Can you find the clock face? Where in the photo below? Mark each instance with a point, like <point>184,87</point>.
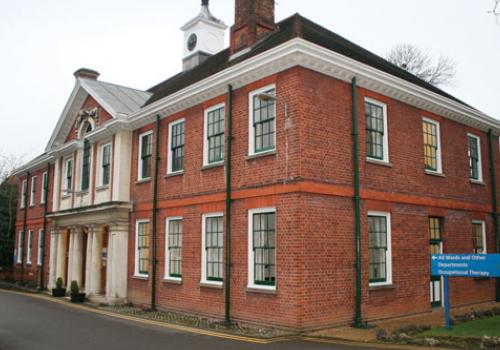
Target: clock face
<point>191,43</point>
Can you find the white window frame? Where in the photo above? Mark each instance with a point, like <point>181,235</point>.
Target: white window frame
<point>204,279</point>
<point>30,247</point>
<point>388,253</point>
<point>205,134</point>
<point>139,158</point>
<point>386,130</point>
<point>251,256</point>
<point>45,179</point>
<point>483,229</point>
<point>33,191</point>
<point>167,251</point>
<point>169,151</point>
<point>20,247</point>
<point>439,162</point>
<point>40,247</point>
<point>24,191</point>
<point>480,160</point>
<point>136,250</point>
<point>68,188</point>
<point>101,158</point>
<point>251,130</point>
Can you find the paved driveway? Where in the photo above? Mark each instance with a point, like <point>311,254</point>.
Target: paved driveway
<point>28,323</point>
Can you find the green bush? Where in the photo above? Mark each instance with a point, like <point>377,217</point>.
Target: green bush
<point>75,288</point>
<point>59,283</point>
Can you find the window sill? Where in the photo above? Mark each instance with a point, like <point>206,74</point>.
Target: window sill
<point>381,287</point>
<point>434,173</point>
<point>213,285</point>
<point>82,193</point>
<point>477,182</point>
<point>261,155</point>
<point>379,162</point>
<point>261,290</point>
<point>102,188</point>
<point>66,196</point>
<point>32,205</point>
<point>141,278</point>
<point>172,280</point>
<point>177,173</point>
<point>212,166</point>
<point>142,181</point>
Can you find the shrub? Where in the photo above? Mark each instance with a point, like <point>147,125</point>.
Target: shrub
<point>75,289</point>
<point>59,283</point>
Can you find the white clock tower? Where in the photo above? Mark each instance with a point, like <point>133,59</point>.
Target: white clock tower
<point>203,37</point>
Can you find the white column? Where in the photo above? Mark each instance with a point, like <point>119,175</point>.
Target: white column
<point>77,260</point>
<point>69,276</point>
<point>117,261</point>
<point>88,260</point>
<point>52,259</point>
<point>95,266</point>
<point>109,266</point>
<point>61,256</point>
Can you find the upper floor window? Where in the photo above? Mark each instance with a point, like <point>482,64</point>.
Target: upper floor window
<point>376,130</point>
<point>474,153</point>
<point>262,248</point>
<point>45,188</point>
<point>68,179</point>
<point>86,159</point>
<point>33,191</point>
<point>212,262</point>
<point>145,155</point>
<point>105,164</point>
<point>142,248</point>
<point>379,248</point>
<point>432,145</point>
<point>213,148</point>
<point>24,191</point>
<point>262,120</point>
<point>478,237</point>
<point>176,146</point>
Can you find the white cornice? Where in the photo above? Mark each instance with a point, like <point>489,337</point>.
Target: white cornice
<point>299,52</point>
<point>34,164</point>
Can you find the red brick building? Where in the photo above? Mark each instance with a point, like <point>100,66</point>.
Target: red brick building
<point>232,189</point>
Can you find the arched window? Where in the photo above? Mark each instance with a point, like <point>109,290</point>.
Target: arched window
<point>86,159</point>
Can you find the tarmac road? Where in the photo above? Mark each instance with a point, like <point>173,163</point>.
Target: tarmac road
<point>28,323</point>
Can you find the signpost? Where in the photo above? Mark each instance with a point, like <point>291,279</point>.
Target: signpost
<point>463,265</point>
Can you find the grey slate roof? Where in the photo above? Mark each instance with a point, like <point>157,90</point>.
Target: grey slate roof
<point>122,100</point>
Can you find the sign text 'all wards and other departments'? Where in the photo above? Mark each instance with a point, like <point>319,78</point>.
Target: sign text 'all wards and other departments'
<point>465,265</point>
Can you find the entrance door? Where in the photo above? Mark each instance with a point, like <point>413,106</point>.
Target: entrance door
<point>104,258</point>
<point>436,247</point>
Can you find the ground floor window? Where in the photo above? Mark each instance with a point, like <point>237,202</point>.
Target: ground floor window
<point>478,237</point>
<point>436,247</point>
<point>379,248</point>
<point>262,247</point>
<point>30,247</point>
<point>174,248</point>
<point>142,248</point>
<point>213,248</point>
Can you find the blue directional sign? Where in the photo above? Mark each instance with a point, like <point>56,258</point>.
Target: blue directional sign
<point>465,265</point>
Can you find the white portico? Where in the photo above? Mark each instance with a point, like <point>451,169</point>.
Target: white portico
<point>89,245</point>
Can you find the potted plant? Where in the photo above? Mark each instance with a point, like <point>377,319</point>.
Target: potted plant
<point>76,296</point>
<point>59,291</point>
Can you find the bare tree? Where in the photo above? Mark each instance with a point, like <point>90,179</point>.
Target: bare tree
<point>496,10</point>
<point>420,63</point>
<point>8,163</point>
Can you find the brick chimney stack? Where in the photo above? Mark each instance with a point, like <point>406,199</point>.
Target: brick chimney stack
<point>253,19</point>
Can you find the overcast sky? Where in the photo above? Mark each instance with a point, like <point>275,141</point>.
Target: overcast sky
<point>139,43</point>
